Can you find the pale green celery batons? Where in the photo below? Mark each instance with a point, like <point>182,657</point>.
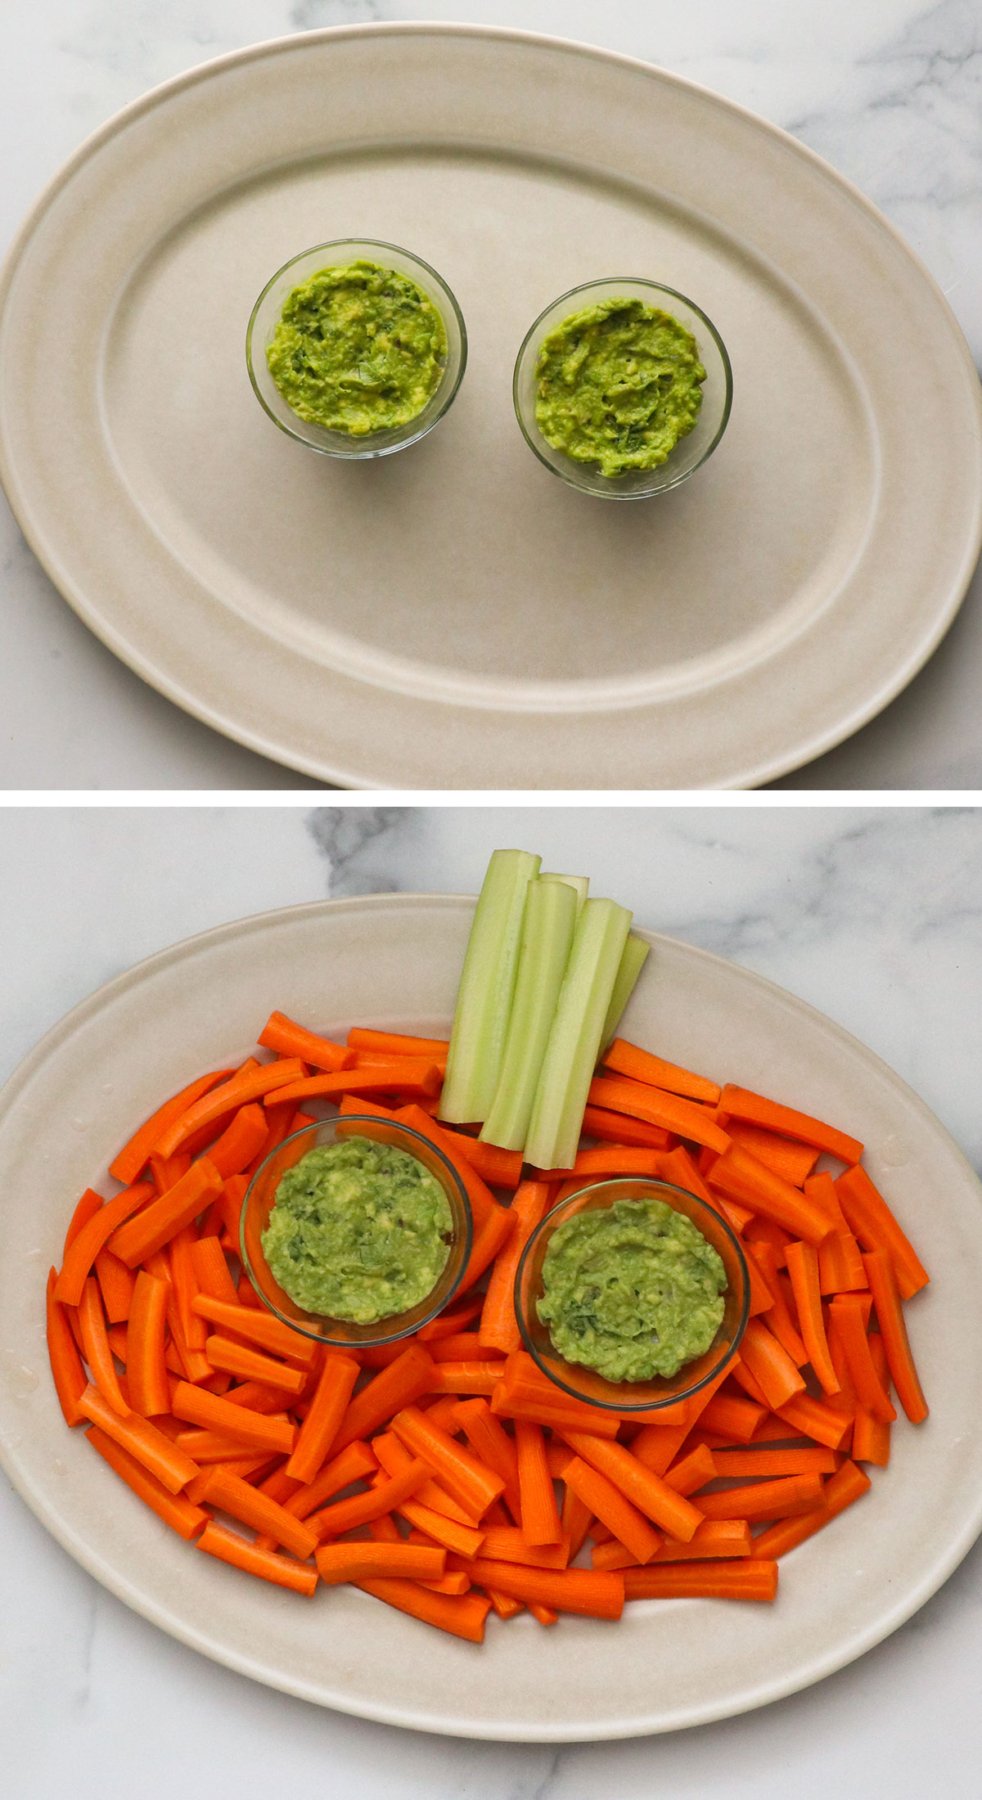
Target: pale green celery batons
<point>579,883</point>
<point>632,962</point>
<point>487,986</point>
<point>577,1033</point>
<point>550,920</point>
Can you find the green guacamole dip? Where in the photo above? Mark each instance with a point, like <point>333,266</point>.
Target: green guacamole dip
<point>631,1290</point>
<point>358,1230</point>
<point>358,349</point>
<point>618,384</point>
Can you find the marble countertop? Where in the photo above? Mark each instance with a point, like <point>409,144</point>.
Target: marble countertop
<point>872,916</point>
<point>887,90</point>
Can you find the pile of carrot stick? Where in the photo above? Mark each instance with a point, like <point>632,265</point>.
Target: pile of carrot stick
<point>444,1474</point>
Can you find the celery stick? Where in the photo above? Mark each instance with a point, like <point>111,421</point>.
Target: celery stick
<point>579,883</point>
<point>487,986</point>
<point>574,1041</point>
<point>550,920</point>
<point>632,962</point>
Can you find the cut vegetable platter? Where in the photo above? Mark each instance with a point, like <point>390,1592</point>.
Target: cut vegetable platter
<point>394,961</point>
<point>455,616</point>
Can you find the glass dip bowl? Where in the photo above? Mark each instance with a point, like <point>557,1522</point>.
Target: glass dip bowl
<point>690,452</point>
<point>633,1396</point>
<point>266,316</point>
<point>258,1204</point>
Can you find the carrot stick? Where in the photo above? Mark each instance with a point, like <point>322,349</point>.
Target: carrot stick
<point>629,1526</point>
<point>289,1039</point>
<point>478,1377</point>
<point>175,1509</point>
<point>394,1458</point>
<point>95,1347</point>
<point>847,1310</point>
<point>769,1364</point>
<point>467,1479</point>
<point>455,1148</point>
<point>594,1595</point>
<point>742,1177</point>
<point>794,1161</point>
<point>237,1422</point>
<point>462,1540</point>
<point>509,1403</point>
<point>88,1205</point>
<point>464,1616</point>
<point>403,1382</point>
<point>151,1447</point>
<point>764,1499</point>
<point>134,1155</point>
<point>818,1419</point>
<point>684,1117</point>
<point>640,1065</point>
<point>344,1515</point>
<point>116,1285</point>
<point>499,1168</point>
<point>539,1512</point>
<point>359,1562</point>
<point>148,1386</point>
<point>714,1539</point>
<point>241,1141</point>
<point>803,1460</point>
<point>870,1219</point>
<point>211,1271</point>
<point>508,1543</point>
<point>756,1109</point>
<point>499,1325</point>
<point>158,1222</point>
<point>692,1471</point>
<point>649,1493</point>
<point>320,1427</point>
<point>92,1237</point>
<point>615,1159</point>
<point>752,1578</point>
<point>352,1464</point>
<point>732,1414</point>
<point>890,1318</point>
<point>493,1447</point>
<point>253,1365</point>
<point>402,1075</point>
<point>395,1043</point>
<point>252,1082</point>
<point>230,1494</point>
<point>802,1262</point>
<point>284,1571</point>
<point>617,1128</point>
<point>841,1489</point>
<point>763,1257</point>
<point>258,1328</point>
<point>66,1363</point>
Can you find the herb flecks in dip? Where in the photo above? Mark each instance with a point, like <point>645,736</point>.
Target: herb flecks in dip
<point>618,384</point>
<point>632,1290</point>
<point>359,1230</point>
<point>359,349</point>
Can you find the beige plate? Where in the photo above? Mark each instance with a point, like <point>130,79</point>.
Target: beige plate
<point>455,616</point>
<point>394,960</point>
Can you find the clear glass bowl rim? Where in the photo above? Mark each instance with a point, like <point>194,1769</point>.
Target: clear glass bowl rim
<point>658,287</point>
<point>389,1336</point>
<point>726,1350</point>
<point>364,451</point>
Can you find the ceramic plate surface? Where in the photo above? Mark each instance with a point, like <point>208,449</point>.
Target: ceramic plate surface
<point>454,616</point>
<point>394,960</point>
